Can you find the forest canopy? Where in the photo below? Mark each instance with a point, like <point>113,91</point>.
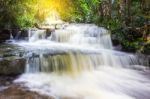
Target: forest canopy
<point>24,13</point>
<point>108,13</point>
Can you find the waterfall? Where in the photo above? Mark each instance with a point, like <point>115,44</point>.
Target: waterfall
<point>35,35</point>
<point>78,62</point>
<point>84,35</point>
<point>86,47</point>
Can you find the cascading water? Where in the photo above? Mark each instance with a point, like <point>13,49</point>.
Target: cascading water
<point>78,62</point>
<point>36,35</point>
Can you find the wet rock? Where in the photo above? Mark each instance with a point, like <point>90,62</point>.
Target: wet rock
<point>17,92</point>
<point>20,34</point>
<point>4,35</point>
<point>8,50</point>
<point>48,32</point>
<point>115,40</point>
<point>143,59</point>
<point>10,90</point>
<point>6,80</point>
<point>15,32</point>
<point>24,34</point>
<point>12,66</point>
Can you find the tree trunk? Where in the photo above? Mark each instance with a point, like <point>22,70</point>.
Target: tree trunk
<point>128,3</point>
<point>101,13</point>
<point>110,8</point>
<point>121,11</point>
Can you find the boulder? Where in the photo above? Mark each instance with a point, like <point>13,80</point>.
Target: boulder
<point>12,66</point>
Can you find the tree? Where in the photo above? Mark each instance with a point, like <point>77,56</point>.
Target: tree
<point>16,13</point>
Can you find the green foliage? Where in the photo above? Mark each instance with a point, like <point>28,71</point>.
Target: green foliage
<point>24,21</point>
<point>86,11</point>
<point>111,24</point>
<point>132,46</point>
<point>16,13</point>
<point>146,49</point>
<point>24,13</point>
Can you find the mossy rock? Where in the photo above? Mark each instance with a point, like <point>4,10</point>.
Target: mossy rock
<point>12,66</point>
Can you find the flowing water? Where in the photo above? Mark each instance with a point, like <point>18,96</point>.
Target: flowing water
<point>78,62</point>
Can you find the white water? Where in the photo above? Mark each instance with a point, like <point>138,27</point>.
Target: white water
<point>78,62</point>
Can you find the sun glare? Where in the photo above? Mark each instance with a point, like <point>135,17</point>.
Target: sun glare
<point>49,11</point>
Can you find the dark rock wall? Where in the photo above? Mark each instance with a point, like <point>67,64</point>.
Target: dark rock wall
<point>4,35</point>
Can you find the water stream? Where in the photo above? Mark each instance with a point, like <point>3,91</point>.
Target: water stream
<point>78,62</point>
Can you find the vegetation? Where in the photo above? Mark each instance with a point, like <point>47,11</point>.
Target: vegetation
<point>16,13</point>
<point>129,20</point>
<point>25,13</point>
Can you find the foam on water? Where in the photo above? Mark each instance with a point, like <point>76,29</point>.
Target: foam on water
<point>103,83</point>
